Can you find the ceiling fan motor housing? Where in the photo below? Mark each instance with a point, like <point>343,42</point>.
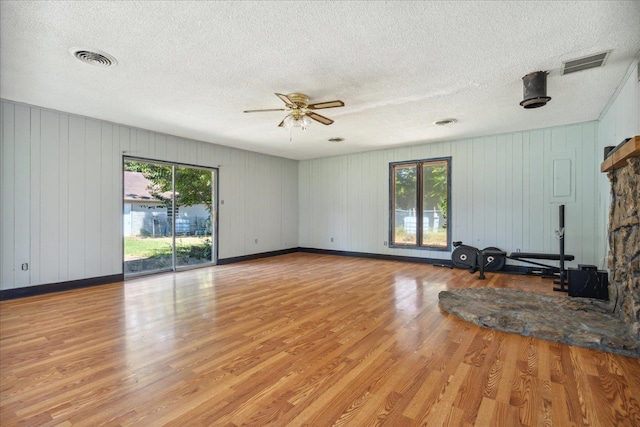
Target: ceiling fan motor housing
<point>535,90</point>
<point>300,99</point>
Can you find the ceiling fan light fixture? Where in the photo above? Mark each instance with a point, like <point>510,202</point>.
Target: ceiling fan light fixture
<point>296,121</point>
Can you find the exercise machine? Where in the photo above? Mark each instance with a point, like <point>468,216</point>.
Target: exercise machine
<point>493,259</point>
<point>474,259</point>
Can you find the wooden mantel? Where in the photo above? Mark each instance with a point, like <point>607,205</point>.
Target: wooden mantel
<point>631,148</point>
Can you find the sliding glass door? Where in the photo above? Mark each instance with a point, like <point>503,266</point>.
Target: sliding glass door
<point>194,215</point>
<point>169,216</point>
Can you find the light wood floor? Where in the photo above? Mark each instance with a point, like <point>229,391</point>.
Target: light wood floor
<point>300,340</point>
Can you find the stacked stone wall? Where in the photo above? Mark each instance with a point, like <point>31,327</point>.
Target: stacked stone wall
<point>624,244</point>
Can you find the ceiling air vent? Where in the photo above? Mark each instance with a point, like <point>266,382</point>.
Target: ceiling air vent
<point>445,122</point>
<point>93,57</point>
<point>591,61</point>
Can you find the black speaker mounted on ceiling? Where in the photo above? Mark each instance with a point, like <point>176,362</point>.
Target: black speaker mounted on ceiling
<point>535,90</point>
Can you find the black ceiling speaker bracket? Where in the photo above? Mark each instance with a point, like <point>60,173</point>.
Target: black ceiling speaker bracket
<point>535,90</point>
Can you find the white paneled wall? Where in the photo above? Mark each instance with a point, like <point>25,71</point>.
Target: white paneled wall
<point>61,199</point>
<point>502,194</point>
<point>621,120</point>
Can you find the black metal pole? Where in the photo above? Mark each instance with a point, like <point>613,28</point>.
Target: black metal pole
<point>562,287</point>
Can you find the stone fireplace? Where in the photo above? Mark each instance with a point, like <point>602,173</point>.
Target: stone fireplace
<point>623,170</point>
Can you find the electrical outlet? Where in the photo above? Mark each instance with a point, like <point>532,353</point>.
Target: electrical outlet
<point>385,243</point>
<point>256,240</point>
<point>25,266</point>
<point>332,239</point>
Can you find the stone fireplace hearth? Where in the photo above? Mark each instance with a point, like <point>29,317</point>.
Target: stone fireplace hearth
<point>624,237</point>
<point>584,322</point>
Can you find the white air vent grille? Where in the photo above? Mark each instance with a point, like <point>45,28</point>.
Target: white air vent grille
<point>591,61</point>
<point>93,57</point>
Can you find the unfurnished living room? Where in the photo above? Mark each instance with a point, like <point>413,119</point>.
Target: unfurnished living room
<point>317,213</point>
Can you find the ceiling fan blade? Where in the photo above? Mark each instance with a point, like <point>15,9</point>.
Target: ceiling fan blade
<point>268,109</point>
<point>328,104</point>
<point>282,123</point>
<point>318,118</point>
<point>286,100</point>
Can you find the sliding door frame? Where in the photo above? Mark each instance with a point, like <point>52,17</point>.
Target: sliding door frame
<point>215,202</point>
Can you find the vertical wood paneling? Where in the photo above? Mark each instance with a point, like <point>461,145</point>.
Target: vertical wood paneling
<point>507,193</point>
<point>477,170</point>
<point>517,185</point>
<point>547,191</point>
<point>77,198</point>
<point>160,144</point>
<point>269,202</point>
<point>49,198</point>
<point>490,194</point>
<point>93,239</point>
<point>304,203</point>
<point>341,210</point>
<point>353,197</point>
<point>108,172</point>
<point>8,160</point>
<point>22,197</point>
<point>62,193</point>
<point>462,191</point>
<point>526,193</point>
<point>142,145</point>
<point>125,140</point>
<point>251,222</point>
<point>171,151</point>
<point>289,214</point>
<point>314,180</point>
<point>501,200</point>
<point>536,200</point>
<point>116,221</point>
<point>35,168</point>
<point>589,201</point>
<point>574,219</point>
<point>232,180</point>
<point>363,210</point>
<point>322,218</point>
<point>376,234</point>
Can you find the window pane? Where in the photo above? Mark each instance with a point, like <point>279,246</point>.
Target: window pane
<point>194,219</point>
<point>148,198</point>
<point>434,204</point>
<point>405,190</point>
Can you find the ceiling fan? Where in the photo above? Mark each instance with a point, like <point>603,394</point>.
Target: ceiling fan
<point>300,109</point>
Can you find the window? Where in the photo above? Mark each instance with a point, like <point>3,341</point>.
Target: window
<point>420,186</point>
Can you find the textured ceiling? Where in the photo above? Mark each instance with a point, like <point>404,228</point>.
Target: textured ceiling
<point>190,68</point>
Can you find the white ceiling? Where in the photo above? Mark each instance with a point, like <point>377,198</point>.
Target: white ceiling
<point>190,68</point>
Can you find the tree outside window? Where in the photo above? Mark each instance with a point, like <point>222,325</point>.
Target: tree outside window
<point>420,186</point>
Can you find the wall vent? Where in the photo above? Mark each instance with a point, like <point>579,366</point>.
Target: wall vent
<point>591,61</point>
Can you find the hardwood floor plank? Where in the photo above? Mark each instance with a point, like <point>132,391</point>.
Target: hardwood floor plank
<point>485,411</point>
<point>298,339</point>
